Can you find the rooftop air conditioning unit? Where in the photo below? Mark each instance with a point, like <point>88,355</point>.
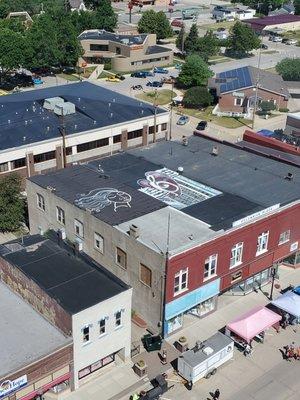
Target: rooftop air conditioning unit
<point>66,108</point>
<point>208,351</point>
<point>51,102</point>
<point>78,245</point>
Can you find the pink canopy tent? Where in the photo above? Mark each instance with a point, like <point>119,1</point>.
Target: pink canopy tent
<point>255,321</point>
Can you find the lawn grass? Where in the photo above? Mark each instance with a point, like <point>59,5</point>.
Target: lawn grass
<point>292,35</point>
<point>163,97</point>
<point>270,51</point>
<point>225,122</point>
<point>104,74</point>
<point>215,25</point>
<point>69,77</point>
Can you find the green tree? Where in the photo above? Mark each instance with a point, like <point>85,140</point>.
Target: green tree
<point>194,72</point>
<point>190,43</point>
<point>289,69</point>
<point>180,39</point>
<point>83,20</point>
<point>297,7</point>
<point>104,16</point>
<point>12,51</point>
<point>197,96</point>
<point>12,205</point>
<point>263,6</point>
<point>242,39</point>
<point>155,22</point>
<point>267,106</point>
<point>208,45</point>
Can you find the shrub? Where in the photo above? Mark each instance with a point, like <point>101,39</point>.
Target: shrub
<point>196,97</point>
<point>284,110</point>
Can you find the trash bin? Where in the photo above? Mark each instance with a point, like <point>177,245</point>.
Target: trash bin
<point>152,343</point>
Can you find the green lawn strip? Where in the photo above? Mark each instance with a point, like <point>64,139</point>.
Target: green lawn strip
<point>214,26</point>
<point>164,96</point>
<point>69,77</point>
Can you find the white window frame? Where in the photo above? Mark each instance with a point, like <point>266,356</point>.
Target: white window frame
<point>284,237</point>
<point>40,199</point>
<point>235,101</point>
<point>236,255</point>
<point>212,262</point>
<point>79,224</point>
<point>84,335</point>
<point>118,326</point>
<point>262,243</point>
<point>99,238</point>
<point>182,285</point>
<point>60,215</point>
<point>105,326</point>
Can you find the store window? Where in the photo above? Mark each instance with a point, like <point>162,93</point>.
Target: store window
<point>4,167</point>
<point>49,155</point>
<point>146,275</point>
<point>98,242</point>
<point>40,202</point>
<point>236,255</point>
<point>86,334</point>
<point>102,326</point>
<point>121,258</point>
<point>284,237</point>
<point>117,139</point>
<point>78,226</point>
<point>207,306</point>
<point>118,319</point>
<point>60,215</point>
<point>210,266</point>
<point>262,243</point>
<point>181,281</point>
<point>20,163</point>
<point>164,126</point>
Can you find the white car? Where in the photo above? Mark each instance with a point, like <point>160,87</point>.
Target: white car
<point>292,41</point>
<point>277,39</point>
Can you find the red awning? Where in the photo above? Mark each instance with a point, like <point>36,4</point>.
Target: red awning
<point>44,388</point>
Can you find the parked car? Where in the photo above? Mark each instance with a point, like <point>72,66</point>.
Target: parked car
<point>201,126</point>
<point>169,79</point>
<point>183,120</point>
<point>158,70</point>
<point>142,74</point>
<point>292,41</point>
<point>121,77</point>
<point>37,80</point>
<point>137,87</point>
<point>112,79</point>
<point>264,46</point>
<point>277,39</point>
<point>154,84</point>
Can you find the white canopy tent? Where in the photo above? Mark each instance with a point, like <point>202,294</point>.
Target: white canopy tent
<point>289,302</point>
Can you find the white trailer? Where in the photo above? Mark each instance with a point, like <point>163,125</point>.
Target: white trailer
<point>204,359</point>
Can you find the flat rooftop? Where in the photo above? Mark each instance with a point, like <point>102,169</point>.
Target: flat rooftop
<point>201,194</point>
<point>24,120</point>
<point>25,336</point>
<point>73,282</point>
<point>101,34</point>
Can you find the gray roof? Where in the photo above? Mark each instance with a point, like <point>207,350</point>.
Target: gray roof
<point>24,121</point>
<point>75,283</point>
<point>216,342</point>
<point>101,34</point>
<point>157,49</point>
<point>245,77</point>
<point>25,336</point>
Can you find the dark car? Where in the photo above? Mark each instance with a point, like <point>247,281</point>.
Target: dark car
<point>158,70</point>
<point>154,84</point>
<point>141,74</point>
<point>137,87</point>
<point>121,77</point>
<point>264,46</point>
<point>201,126</point>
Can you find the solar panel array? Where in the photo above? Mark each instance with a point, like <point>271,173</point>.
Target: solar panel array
<point>235,79</point>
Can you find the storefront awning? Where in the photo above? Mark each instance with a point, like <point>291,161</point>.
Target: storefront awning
<point>255,321</point>
<point>289,302</point>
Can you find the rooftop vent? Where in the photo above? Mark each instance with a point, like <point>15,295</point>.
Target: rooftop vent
<point>289,176</point>
<point>51,102</point>
<point>180,170</point>
<point>125,41</point>
<point>208,351</point>
<point>134,231</point>
<point>66,108</point>
<point>185,141</point>
<point>215,151</point>
<point>51,188</point>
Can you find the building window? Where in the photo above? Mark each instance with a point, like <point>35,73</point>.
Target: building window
<point>238,101</point>
<point>4,167</point>
<point>78,226</point>
<point>284,237</point>
<point>69,151</point>
<point>146,275</point>
<point>117,139</point>
<point>98,242</point>
<point>236,255</point>
<point>40,202</point>
<point>121,258</point>
<point>135,134</point>
<point>60,215</point>
<point>86,334</point>
<point>50,155</point>
<point>262,243</point>
<point>151,129</point>
<point>102,326</point>
<point>118,50</point>
<point>118,319</point>
<point>210,266</point>
<point>98,47</point>
<point>92,145</point>
<point>164,126</point>
<point>181,281</point>
<point>20,163</point>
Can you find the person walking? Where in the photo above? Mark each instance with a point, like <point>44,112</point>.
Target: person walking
<point>216,394</point>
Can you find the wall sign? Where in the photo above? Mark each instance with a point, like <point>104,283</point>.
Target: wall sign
<point>255,215</point>
<point>7,387</point>
<point>238,94</point>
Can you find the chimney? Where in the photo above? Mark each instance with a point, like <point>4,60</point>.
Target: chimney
<point>134,231</point>
<point>215,151</point>
<point>180,170</point>
<point>184,141</point>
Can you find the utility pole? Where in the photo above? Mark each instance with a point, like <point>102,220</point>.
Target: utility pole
<point>130,6</point>
<point>62,130</point>
<point>155,112</point>
<point>171,112</point>
<point>256,89</point>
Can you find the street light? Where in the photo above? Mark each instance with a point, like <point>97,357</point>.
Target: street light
<point>130,6</point>
<point>273,275</point>
<point>155,112</point>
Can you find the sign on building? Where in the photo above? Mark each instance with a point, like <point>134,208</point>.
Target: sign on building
<point>7,387</point>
